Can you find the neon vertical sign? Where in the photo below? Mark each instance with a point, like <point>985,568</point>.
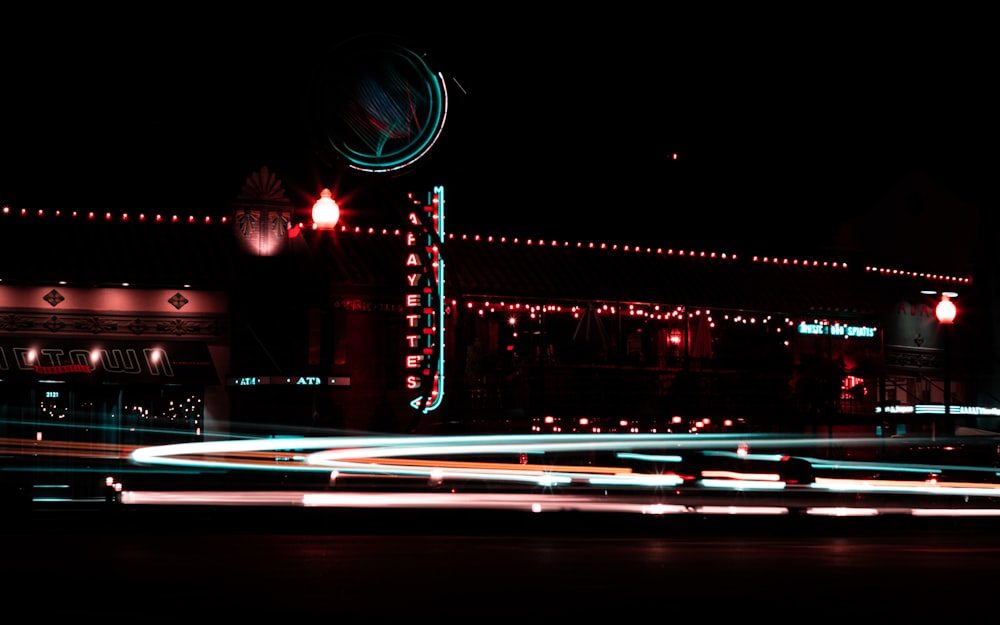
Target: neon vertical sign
<point>424,305</point>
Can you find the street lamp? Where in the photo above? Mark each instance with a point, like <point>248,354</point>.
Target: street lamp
<point>325,212</point>
<point>945,313</point>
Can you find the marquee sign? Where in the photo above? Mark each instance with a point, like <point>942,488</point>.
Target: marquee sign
<point>290,380</point>
<point>836,330</point>
<point>424,304</point>
<point>113,361</point>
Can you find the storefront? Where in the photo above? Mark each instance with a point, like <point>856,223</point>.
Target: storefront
<point>343,330</point>
<point>88,374</point>
<point>612,333</point>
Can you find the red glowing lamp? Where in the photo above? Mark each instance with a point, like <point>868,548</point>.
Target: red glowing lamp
<point>325,212</point>
<point>945,311</point>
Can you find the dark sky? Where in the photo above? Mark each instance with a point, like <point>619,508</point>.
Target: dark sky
<point>560,126</point>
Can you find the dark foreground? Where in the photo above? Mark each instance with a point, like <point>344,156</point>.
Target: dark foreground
<point>203,563</point>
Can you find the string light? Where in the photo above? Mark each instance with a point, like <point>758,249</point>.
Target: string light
<point>7,212</point>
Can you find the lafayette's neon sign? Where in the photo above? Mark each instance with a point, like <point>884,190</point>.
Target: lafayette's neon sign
<point>424,304</point>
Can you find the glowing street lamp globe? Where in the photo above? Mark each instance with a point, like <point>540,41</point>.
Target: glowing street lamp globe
<point>945,311</point>
<point>325,211</point>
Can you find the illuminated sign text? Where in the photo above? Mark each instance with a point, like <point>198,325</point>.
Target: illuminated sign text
<point>423,304</point>
<point>836,330</point>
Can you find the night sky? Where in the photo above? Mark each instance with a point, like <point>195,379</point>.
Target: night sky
<point>561,126</point>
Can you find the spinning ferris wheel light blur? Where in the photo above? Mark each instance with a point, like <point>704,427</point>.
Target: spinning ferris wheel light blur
<point>381,108</point>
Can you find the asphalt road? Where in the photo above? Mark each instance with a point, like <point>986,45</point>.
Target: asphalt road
<point>200,564</point>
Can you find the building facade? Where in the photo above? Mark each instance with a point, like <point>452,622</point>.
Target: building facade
<point>130,330</point>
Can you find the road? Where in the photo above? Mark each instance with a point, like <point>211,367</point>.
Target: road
<point>195,563</point>
<point>514,538</point>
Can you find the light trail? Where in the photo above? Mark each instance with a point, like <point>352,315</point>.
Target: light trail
<point>60,448</point>
<point>521,502</point>
<point>622,460</point>
<point>553,471</point>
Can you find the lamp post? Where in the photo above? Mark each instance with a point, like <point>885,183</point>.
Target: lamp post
<point>945,313</point>
<point>325,215</point>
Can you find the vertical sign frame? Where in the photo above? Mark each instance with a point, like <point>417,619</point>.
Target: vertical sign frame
<point>424,303</point>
